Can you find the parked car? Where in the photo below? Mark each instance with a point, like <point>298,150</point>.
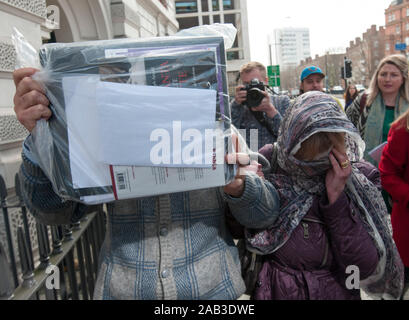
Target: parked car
<point>337,90</point>
<point>360,87</point>
<point>295,92</point>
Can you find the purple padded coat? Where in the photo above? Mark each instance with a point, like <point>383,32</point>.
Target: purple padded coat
<point>312,263</point>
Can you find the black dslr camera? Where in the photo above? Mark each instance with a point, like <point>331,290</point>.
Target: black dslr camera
<point>254,93</point>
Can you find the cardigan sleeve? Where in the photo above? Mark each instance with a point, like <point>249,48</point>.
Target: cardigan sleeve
<point>259,205</point>
<point>40,198</point>
<point>394,160</point>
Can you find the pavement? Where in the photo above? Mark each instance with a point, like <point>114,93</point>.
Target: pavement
<point>364,296</point>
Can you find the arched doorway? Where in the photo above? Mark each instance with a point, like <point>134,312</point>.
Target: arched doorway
<point>82,20</point>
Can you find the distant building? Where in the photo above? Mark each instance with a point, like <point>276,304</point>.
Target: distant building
<point>396,26</point>
<point>191,13</point>
<point>330,64</point>
<point>365,54</point>
<point>289,46</point>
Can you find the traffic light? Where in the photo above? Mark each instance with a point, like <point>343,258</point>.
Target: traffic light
<point>342,73</point>
<point>348,68</point>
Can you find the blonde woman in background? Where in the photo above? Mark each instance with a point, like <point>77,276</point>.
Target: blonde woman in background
<point>387,98</point>
<point>373,111</point>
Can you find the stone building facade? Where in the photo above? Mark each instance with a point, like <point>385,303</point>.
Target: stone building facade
<point>190,13</point>
<point>365,54</point>
<point>330,64</point>
<point>397,26</point>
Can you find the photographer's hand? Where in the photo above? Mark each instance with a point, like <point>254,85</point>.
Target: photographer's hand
<point>266,106</point>
<point>241,95</point>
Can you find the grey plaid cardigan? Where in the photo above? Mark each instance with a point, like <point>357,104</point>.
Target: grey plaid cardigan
<point>174,246</point>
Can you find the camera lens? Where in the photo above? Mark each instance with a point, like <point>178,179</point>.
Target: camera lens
<point>255,94</point>
<point>254,97</point>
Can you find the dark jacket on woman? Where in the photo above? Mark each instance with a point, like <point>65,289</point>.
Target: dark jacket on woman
<point>313,263</point>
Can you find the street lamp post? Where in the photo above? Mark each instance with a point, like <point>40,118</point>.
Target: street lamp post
<point>275,49</point>
<point>326,70</point>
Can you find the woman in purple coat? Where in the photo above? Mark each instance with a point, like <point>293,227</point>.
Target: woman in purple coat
<point>332,235</point>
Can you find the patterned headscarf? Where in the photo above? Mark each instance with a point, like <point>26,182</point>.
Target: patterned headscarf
<point>301,181</point>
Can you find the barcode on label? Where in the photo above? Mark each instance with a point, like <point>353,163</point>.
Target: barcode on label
<point>120,178</point>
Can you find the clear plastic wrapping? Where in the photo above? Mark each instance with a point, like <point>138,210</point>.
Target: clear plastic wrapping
<point>133,117</point>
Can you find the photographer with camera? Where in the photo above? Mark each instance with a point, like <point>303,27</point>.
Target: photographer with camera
<point>254,108</point>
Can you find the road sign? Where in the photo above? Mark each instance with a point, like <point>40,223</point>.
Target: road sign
<point>273,70</point>
<point>273,76</point>
<point>400,46</point>
<point>274,82</point>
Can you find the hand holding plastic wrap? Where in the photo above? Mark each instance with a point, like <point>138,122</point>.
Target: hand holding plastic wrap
<point>132,118</point>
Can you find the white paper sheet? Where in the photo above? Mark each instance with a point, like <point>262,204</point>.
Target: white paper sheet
<point>83,139</point>
<point>132,181</point>
<point>134,122</point>
<point>376,152</point>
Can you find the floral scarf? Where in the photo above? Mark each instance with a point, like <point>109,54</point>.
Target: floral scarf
<point>311,113</point>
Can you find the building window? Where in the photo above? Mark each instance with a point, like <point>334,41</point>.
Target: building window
<point>407,41</point>
<point>206,20</point>
<point>407,26</point>
<point>205,6</point>
<point>228,4</point>
<point>387,46</point>
<point>185,23</point>
<point>186,6</point>
<point>407,12</point>
<point>215,5</point>
<point>232,55</point>
<point>231,18</point>
<point>376,44</point>
<point>397,29</point>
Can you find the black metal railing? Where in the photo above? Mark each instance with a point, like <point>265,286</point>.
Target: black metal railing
<point>62,265</point>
